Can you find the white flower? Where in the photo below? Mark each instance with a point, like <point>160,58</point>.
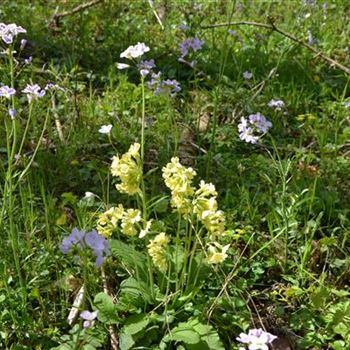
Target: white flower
<point>257,339</point>
<point>122,65</point>
<point>135,51</point>
<point>105,129</point>
<point>89,195</point>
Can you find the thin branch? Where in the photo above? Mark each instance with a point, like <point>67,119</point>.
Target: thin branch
<point>54,23</point>
<point>273,27</point>
<point>57,119</point>
<point>112,333</point>
<point>155,14</point>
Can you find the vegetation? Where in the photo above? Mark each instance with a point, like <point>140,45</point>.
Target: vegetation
<point>174,175</point>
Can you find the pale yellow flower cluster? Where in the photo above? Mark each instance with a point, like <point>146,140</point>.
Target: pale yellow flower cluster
<point>157,251</point>
<point>179,180</point>
<point>129,220</point>
<point>205,207</point>
<point>128,169</point>
<point>108,221</point>
<point>217,253</point>
<point>201,202</point>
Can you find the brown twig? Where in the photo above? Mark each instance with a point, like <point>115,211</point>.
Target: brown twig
<point>54,23</point>
<point>273,27</point>
<point>113,335</point>
<point>57,119</point>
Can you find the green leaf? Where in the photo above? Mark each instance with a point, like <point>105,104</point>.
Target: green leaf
<point>130,257</point>
<point>134,288</point>
<point>338,345</point>
<point>188,336</point>
<point>196,335</point>
<point>135,324</point>
<point>126,341</point>
<point>107,310</point>
<point>341,329</point>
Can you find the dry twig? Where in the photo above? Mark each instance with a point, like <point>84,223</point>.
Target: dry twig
<point>273,27</point>
<point>54,23</point>
<point>112,333</point>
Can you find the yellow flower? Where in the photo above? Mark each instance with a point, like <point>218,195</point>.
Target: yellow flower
<point>217,253</point>
<point>179,180</point>
<point>107,222</point>
<point>206,209</point>
<point>128,169</point>
<point>129,219</point>
<point>146,228</point>
<point>214,221</point>
<point>157,250</point>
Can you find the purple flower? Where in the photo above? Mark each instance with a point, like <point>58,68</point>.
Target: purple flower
<point>247,75</point>
<point>88,318</point>
<point>9,31</point>
<point>12,113</point>
<point>232,32</point>
<point>191,43</point>
<point>249,128</point>
<point>184,27</point>
<point>310,39</point>
<point>28,60</point>
<point>146,67</point>
<point>247,135</point>
<point>6,91</point>
<point>91,240</point>
<point>75,238</point>
<point>51,86</point>
<point>33,91</point>
<point>257,339</point>
<point>260,122</point>
<point>163,87</point>
<point>23,43</point>
<point>278,105</point>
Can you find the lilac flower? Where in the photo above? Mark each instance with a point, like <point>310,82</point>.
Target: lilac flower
<point>232,32</point>
<point>163,87</point>
<point>171,86</point>
<point>6,91</point>
<point>191,64</point>
<point>260,122</point>
<point>12,113</point>
<point>88,318</point>
<point>184,27</point>
<point>146,67</point>
<point>311,40</point>
<point>247,75</point>
<point>135,51</point>
<point>23,43</point>
<point>28,60</point>
<point>191,43</point>
<point>92,240</point>
<point>99,246</point>
<point>243,124</point>
<point>278,105</point>
<point>247,135</point>
<point>249,128</point>
<point>257,339</point>
<point>33,91</point>
<point>9,31</point>
<point>51,86</point>
<point>75,238</point>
